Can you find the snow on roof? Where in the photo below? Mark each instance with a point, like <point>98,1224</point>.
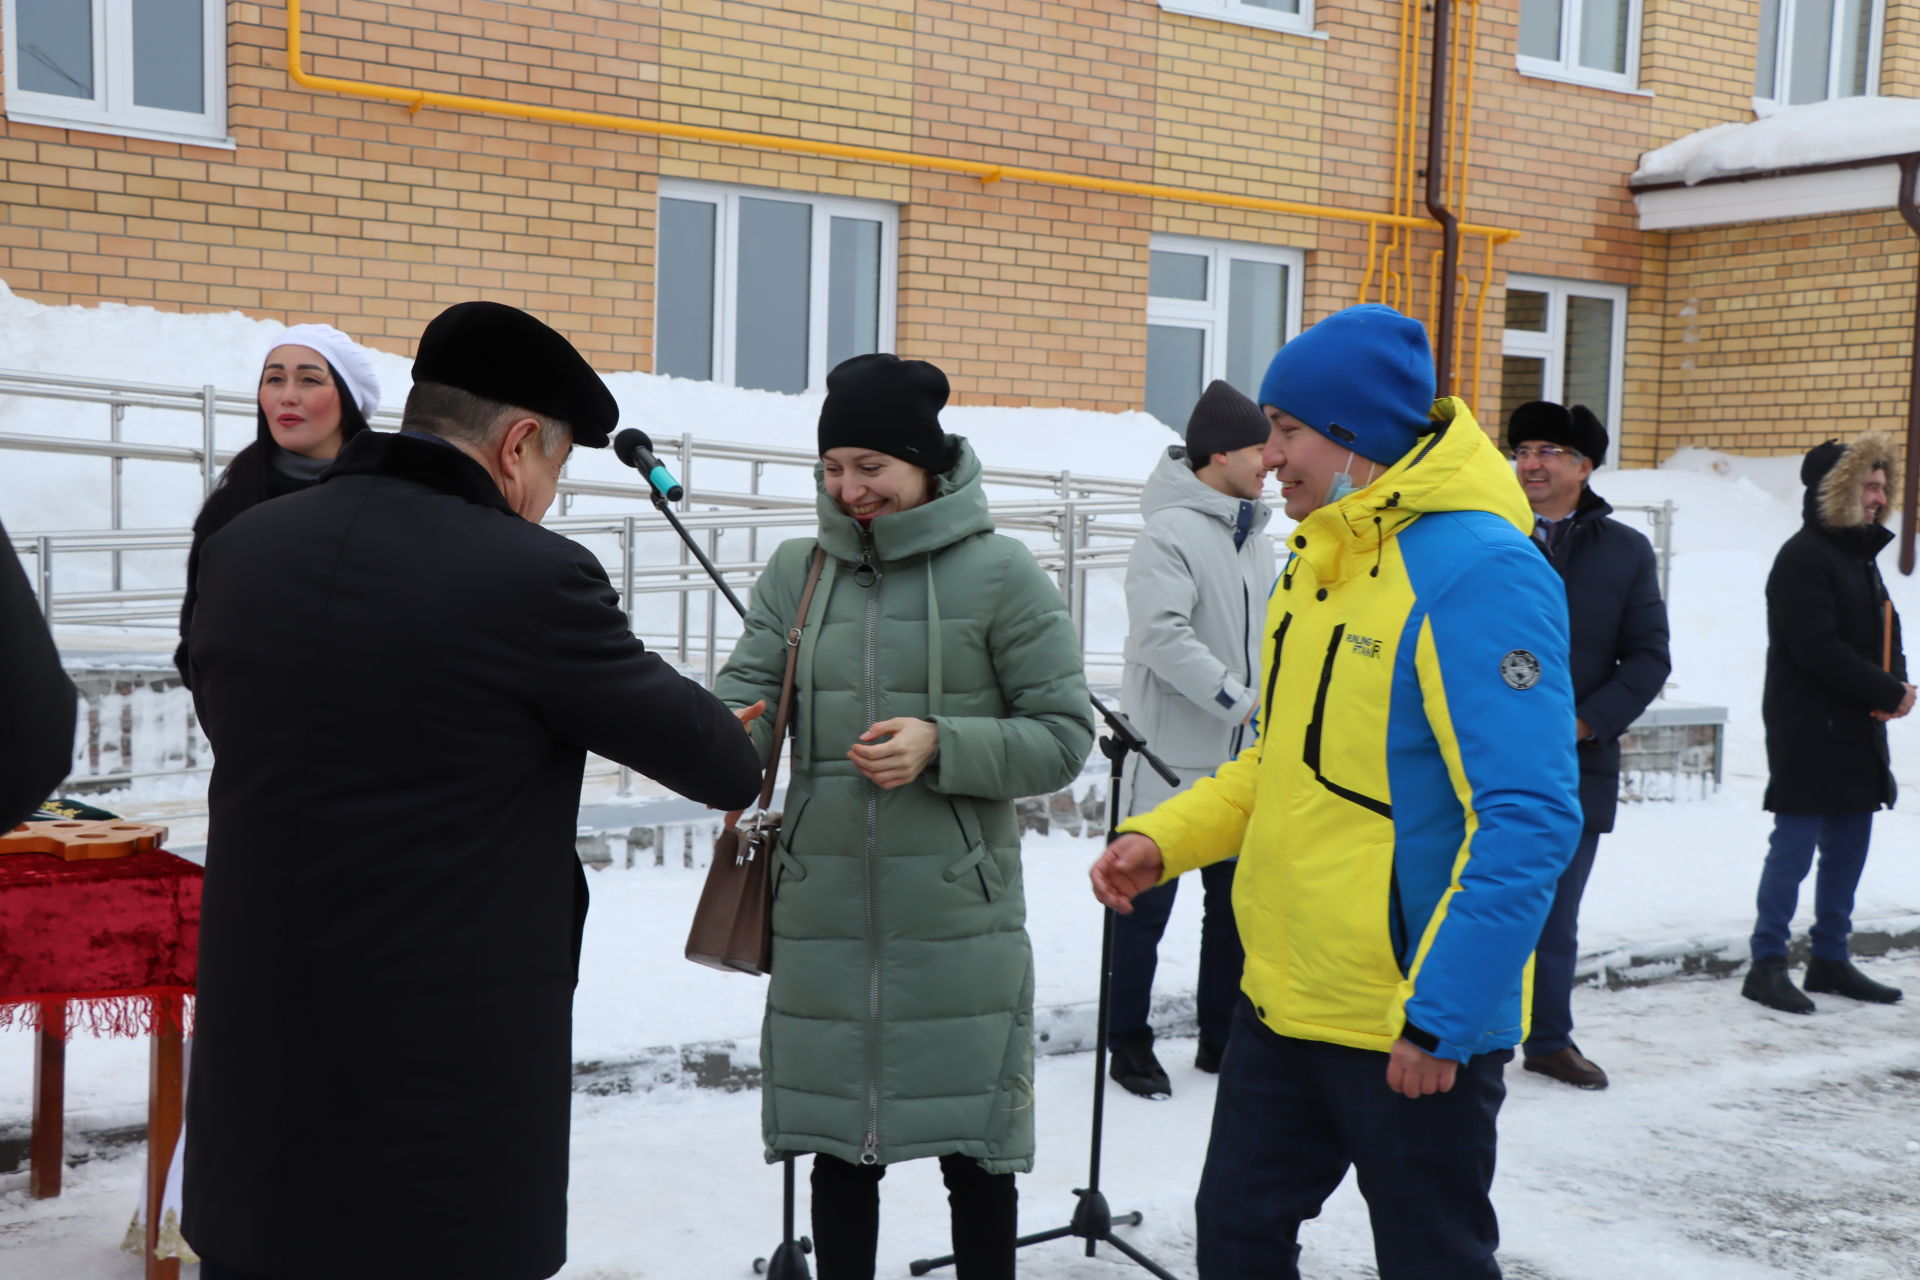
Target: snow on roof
<point>1830,132</point>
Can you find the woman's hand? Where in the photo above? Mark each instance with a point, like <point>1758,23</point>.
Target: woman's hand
<point>901,758</point>
<point>1129,866</point>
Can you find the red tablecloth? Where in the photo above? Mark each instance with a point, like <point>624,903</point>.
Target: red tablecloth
<point>117,937</point>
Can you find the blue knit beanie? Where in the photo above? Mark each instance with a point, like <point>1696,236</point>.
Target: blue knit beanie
<point>1362,378</point>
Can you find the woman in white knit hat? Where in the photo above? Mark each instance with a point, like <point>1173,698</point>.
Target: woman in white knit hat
<point>317,389</point>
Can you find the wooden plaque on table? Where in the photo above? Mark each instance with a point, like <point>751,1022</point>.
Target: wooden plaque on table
<point>75,841</point>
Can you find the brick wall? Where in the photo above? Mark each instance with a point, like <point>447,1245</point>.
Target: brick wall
<point>361,213</point>
<point>354,211</point>
<point>1781,335</point>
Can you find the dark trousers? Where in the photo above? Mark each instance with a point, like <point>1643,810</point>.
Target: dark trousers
<point>1554,959</point>
<point>1136,943</point>
<point>1291,1116</point>
<point>1841,839</point>
<point>846,1218</point>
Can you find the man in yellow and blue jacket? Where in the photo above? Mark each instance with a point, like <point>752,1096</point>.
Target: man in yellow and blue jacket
<point>1401,821</point>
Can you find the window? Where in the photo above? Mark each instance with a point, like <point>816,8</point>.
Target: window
<point>1812,50</point>
<point>1564,343</point>
<point>1278,15</point>
<point>1591,41</point>
<point>768,290</point>
<point>1214,310</point>
<point>145,68</point>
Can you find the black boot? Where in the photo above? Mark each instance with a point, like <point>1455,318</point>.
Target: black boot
<point>1769,984</point>
<point>1136,1070</point>
<point>1840,978</point>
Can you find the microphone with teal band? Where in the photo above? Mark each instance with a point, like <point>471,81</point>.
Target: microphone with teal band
<point>634,447</point>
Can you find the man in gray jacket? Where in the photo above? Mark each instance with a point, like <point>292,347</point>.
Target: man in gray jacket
<point>1198,578</point>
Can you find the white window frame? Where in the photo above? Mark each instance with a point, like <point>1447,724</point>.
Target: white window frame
<point>1567,66</point>
<point>1783,59</point>
<point>1249,15</point>
<point>726,267</point>
<point>1211,316</point>
<point>1552,344</point>
<point>112,109</point>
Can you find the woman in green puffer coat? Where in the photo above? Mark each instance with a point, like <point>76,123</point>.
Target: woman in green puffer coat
<point>939,678</point>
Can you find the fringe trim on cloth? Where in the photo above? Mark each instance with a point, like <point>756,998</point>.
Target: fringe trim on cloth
<point>132,1014</point>
<point>171,1243</point>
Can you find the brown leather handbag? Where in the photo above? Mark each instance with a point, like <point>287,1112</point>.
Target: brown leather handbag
<point>733,925</point>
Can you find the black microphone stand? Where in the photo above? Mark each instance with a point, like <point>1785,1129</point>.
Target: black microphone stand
<point>789,1261</point>
<point>1093,1221</point>
<point>661,505</point>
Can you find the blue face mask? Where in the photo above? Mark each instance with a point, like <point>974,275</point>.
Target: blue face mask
<point>1342,482</point>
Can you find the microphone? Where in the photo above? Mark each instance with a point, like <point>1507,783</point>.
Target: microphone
<point>634,447</point>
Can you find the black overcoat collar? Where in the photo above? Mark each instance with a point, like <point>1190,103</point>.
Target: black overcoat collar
<point>437,465</point>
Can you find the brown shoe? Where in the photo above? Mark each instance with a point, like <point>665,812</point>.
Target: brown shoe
<point>1569,1066</point>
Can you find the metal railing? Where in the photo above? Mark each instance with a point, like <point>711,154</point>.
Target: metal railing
<point>1084,522</point>
<point>1660,518</point>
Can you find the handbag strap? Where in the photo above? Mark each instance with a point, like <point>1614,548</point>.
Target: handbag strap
<point>781,716</point>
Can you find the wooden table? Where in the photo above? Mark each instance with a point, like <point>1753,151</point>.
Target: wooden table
<point>107,946</point>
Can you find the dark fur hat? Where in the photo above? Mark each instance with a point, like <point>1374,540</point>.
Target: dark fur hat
<point>1576,428</point>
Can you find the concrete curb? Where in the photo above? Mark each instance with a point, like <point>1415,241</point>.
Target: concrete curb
<point>1069,1028</point>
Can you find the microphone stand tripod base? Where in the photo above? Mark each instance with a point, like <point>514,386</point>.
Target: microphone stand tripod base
<point>789,1262</point>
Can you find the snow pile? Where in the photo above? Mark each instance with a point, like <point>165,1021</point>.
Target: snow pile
<point>1830,132</point>
<point>138,344</point>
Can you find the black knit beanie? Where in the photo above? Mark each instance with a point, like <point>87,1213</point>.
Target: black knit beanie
<point>1223,420</point>
<point>887,404</point>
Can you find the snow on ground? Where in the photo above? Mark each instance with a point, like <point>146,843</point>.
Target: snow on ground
<point>1736,1144</point>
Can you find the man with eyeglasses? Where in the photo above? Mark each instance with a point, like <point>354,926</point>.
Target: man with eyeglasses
<point>1618,625</point>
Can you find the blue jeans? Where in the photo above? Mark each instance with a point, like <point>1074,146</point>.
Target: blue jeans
<point>1553,960</point>
<point>1136,945</point>
<point>1292,1116</point>
<point>1842,840</point>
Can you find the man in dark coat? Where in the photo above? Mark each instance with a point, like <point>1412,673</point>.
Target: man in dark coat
<point>401,673</point>
<point>1836,674</point>
<point>36,698</point>
<point>1617,623</point>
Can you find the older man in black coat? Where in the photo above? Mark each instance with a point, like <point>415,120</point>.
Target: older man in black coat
<point>401,674</point>
<point>1836,673</point>
<point>1617,623</point>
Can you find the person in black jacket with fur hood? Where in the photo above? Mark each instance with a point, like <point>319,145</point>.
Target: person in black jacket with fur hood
<point>1617,624</point>
<point>1836,674</point>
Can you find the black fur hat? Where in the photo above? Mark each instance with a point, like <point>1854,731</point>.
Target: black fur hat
<point>1576,428</point>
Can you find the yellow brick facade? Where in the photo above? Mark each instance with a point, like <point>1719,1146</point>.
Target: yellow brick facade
<point>374,217</point>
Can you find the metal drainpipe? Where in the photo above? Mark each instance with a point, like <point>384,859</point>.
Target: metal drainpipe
<point>1910,492</point>
<point>1436,201</point>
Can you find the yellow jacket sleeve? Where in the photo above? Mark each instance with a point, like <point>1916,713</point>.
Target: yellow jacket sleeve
<point>1205,823</point>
